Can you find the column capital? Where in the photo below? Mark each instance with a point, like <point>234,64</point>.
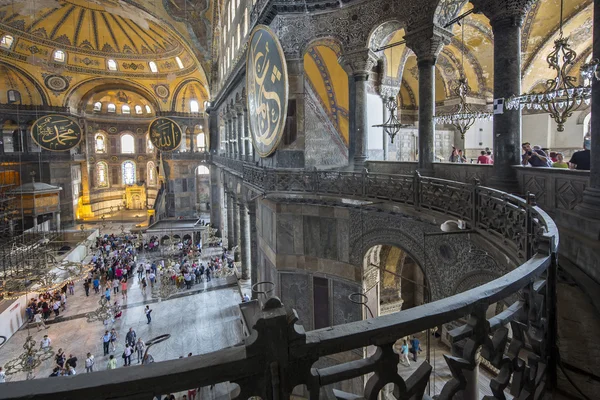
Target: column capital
<point>239,109</point>
<point>358,62</point>
<point>500,12</point>
<point>427,42</point>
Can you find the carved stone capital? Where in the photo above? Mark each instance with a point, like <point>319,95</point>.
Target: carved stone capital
<point>503,11</point>
<point>359,62</point>
<point>387,91</point>
<point>239,108</point>
<point>427,42</point>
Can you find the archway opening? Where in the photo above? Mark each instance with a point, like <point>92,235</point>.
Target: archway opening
<point>202,189</point>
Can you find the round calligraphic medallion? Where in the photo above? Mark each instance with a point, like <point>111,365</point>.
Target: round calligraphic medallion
<point>267,90</point>
<point>56,132</point>
<point>165,134</point>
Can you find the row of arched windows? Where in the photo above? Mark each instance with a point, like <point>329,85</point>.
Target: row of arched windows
<point>127,144</point>
<point>125,109</point>
<point>236,34</point>
<point>128,174</point>
<point>60,56</point>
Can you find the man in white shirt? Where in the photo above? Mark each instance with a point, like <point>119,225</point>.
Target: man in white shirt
<point>45,342</point>
<point>37,319</point>
<point>89,363</point>
<point>2,375</point>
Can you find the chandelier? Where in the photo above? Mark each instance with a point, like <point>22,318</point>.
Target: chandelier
<point>562,96</point>
<point>392,126</point>
<point>463,116</point>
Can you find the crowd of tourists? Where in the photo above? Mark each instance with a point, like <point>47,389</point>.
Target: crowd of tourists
<point>536,156</point>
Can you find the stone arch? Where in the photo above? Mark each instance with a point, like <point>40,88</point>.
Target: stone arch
<point>378,34</point>
<point>447,10</point>
<point>24,79</point>
<point>404,241</point>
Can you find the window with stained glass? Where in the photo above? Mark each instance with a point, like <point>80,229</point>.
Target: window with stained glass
<point>102,174</point>
<point>100,143</point>
<point>128,173</point>
<point>127,144</point>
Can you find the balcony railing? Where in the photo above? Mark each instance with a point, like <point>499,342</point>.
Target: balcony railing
<point>279,355</point>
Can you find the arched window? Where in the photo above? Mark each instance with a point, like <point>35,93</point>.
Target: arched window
<point>201,142</point>
<point>13,96</point>
<point>202,170</point>
<point>101,174</point>
<point>148,109</point>
<point>112,108</point>
<point>60,56</point>
<point>6,41</point>
<point>125,109</point>
<point>138,109</point>
<point>149,146</point>
<point>127,144</point>
<point>100,143</point>
<point>151,171</point>
<point>179,63</point>
<point>97,106</point>
<point>153,66</point>
<point>194,107</point>
<point>112,65</point>
<point>128,173</point>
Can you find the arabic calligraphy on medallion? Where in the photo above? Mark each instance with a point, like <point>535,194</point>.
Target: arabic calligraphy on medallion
<point>165,134</point>
<point>56,132</point>
<point>267,90</point>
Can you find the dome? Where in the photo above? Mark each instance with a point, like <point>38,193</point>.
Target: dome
<point>86,34</point>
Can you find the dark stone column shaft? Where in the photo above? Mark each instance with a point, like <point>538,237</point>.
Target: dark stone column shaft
<point>253,243</point>
<point>240,133</point>
<point>244,241</point>
<point>426,114</point>
<point>507,82</point>
<point>215,199</point>
<point>361,82</point>
<point>230,227</point>
<point>236,222</point>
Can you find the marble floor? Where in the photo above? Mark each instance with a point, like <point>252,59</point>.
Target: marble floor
<point>206,316</point>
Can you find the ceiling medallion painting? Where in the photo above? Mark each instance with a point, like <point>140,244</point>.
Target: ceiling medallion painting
<point>56,83</point>
<point>267,83</point>
<point>161,91</point>
<point>56,132</point>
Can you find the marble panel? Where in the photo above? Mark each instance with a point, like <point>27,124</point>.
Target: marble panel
<point>312,235</point>
<point>344,310</point>
<point>329,239</point>
<point>343,246</point>
<point>285,234</point>
<point>295,293</point>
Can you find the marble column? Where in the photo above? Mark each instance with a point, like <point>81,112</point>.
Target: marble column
<point>426,43</point>
<point>506,18</point>
<point>227,135</point>
<point>240,132</point>
<point>244,240</point>
<point>236,221</point>
<point>590,207</point>
<point>359,64</point>
<point>248,140</point>
<point>234,135</point>
<point>215,198</point>
<point>230,225</point>
<point>253,243</point>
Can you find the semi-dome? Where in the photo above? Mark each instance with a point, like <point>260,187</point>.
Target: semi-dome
<point>86,35</point>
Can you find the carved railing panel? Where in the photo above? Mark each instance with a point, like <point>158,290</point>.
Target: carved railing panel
<point>450,197</point>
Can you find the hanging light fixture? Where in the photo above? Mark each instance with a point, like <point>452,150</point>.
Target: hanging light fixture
<point>463,116</point>
<point>561,97</point>
<point>392,125</point>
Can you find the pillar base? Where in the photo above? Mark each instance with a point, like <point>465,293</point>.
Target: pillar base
<point>426,172</point>
<point>359,164</point>
<point>590,206</point>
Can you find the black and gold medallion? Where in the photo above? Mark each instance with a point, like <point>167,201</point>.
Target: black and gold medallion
<point>267,90</point>
<point>165,134</point>
<point>56,132</point>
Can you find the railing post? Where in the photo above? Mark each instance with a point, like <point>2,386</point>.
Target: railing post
<point>475,203</point>
<point>417,189</point>
<point>530,199</point>
<point>315,177</point>
<point>552,335</point>
<point>365,173</point>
